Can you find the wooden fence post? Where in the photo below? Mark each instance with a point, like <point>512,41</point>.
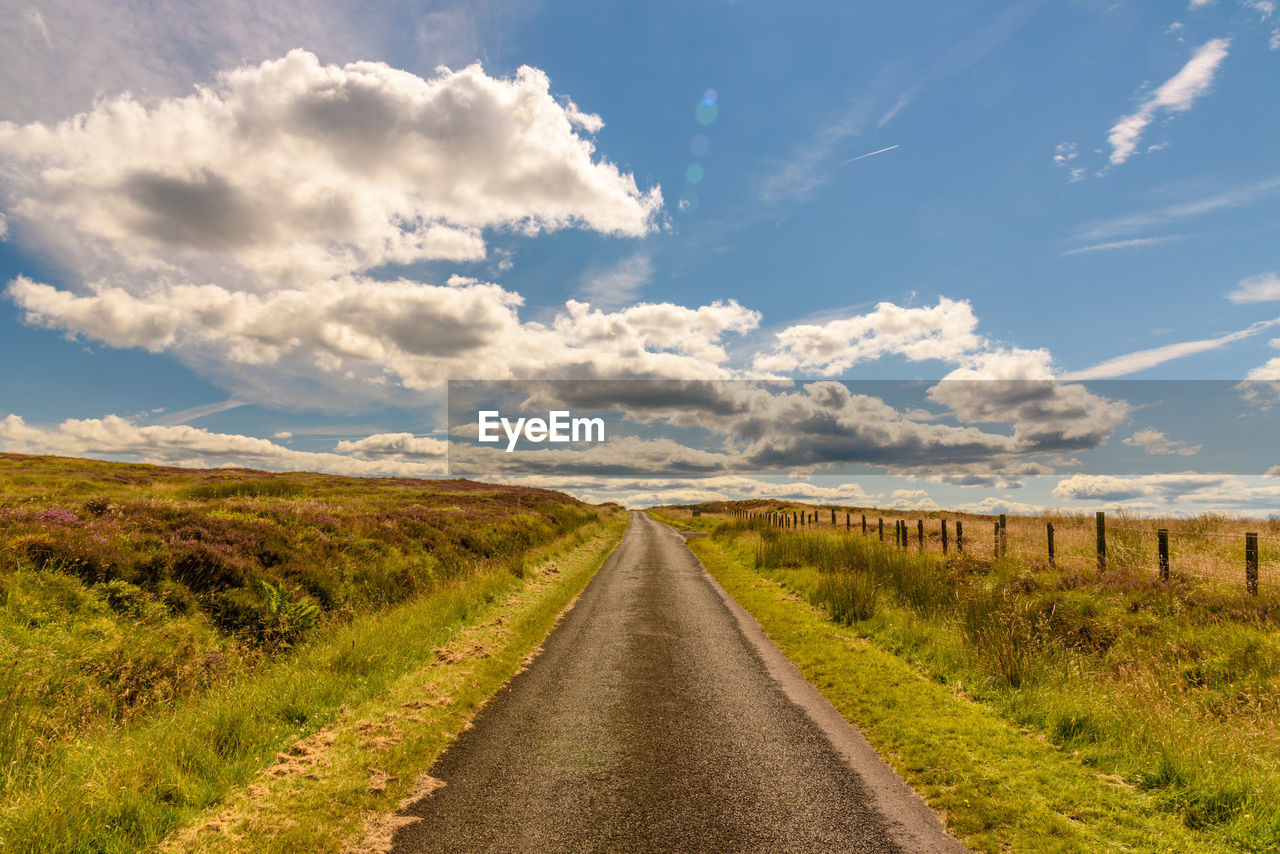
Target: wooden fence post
<point>864,524</point>
<point>995,540</point>
<point>944,536</point>
<point>920,532</point>
<point>1049,534</point>
<point>959,537</point>
<point>882,529</point>
<point>1162,552</point>
<point>1004,536</point>
<point>1251,564</point>
<point>1102,541</point>
<point>833,518</point>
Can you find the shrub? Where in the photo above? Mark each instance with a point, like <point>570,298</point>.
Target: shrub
<point>206,566</point>
<point>1007,633</point>
<point>513,562</point>
<point>917,580</point>
<point>175,596</point>
<point>849,596</point>
<point>97,506</point>
<point>237,610</point>
<point>125,598</point>
<point>55,552</point>
<point>285,621</point>
<point>267,488</point>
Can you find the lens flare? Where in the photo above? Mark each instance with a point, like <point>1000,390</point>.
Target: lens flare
<point>700,145</point>
<point>706,115</point>
<point>694,173</point>
<point>709,97</point>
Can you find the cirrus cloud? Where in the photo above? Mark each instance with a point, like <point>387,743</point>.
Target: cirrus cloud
<point>1175,95</point>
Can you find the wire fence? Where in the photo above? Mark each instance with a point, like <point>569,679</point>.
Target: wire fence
<point>1235,551</point>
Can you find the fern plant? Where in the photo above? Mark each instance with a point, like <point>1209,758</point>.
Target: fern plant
<point>286,620</point>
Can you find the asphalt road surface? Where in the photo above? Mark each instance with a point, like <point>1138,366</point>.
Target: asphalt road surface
<point>659,718</point>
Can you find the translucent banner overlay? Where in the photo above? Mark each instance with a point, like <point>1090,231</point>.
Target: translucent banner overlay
<point>956,428</point>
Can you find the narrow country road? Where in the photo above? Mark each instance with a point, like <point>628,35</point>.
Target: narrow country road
<point>659,718</point>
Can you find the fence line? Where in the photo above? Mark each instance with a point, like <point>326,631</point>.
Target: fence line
<point>1063,543</point>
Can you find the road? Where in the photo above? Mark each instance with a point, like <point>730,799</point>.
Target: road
<point>659,718</point>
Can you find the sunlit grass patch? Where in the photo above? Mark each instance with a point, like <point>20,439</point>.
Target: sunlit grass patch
<point>164,631</point>
<point>1119,712</point>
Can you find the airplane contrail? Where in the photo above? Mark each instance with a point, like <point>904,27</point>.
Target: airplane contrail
<point>868,154</point>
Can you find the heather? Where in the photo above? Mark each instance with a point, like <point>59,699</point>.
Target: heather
<point>126,589</point>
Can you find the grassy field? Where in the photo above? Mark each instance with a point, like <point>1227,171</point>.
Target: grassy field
<point>1208,546</point>
<point>1040,709</point>
<point>167,635</point>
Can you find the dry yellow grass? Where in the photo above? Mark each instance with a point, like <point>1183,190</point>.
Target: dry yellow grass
<point>1209,546</point>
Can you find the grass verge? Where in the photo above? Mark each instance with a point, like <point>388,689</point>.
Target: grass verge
<point>1001,785</point>
<point>300,753</point>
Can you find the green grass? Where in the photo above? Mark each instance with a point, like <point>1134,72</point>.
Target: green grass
<point>163,632</point>
<point>128,788</point>
<point>1040,711</point>
<point>125,588</point>
<point>424,708</point>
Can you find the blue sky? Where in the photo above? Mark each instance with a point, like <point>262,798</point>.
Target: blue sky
<point>1070,190</point>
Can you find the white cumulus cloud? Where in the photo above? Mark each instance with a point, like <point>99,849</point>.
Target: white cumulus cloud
<point>944,331</point>
<point>355,331</point>
<point>294,170</point>
<point>1203,489</point>
<point>117,438</point>
<point>394,446</point>
<point>1156,442</point>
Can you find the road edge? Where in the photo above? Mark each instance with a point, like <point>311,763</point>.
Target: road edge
<point>914,825</point>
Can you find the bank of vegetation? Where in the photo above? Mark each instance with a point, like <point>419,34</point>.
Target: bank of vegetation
<point>1040,708</point>
<point>165,632</point>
